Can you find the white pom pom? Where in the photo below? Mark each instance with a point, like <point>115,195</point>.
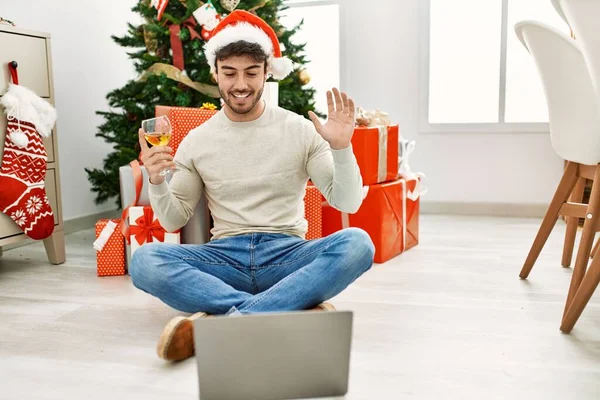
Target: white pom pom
<point>19,138</point>
<point>281,67</point>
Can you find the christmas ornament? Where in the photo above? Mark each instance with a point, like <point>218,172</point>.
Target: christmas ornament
<point>242,25</point>
<point>230,5</point>
<point>208,18</point>
<point>160,5</point>
<point>150,41</point>
<point>22,194</point>
<point>304,77</point>
<point>163,52</point>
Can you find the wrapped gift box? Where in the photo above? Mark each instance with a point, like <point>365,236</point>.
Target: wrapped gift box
<point>415,189</point>
<point>412,206</point>
<point>145,228</point>
<point>376,152</point>
<point>128,174</point>
<point>196,231</point>
<point>110,248</point>
<point>183,120</point>
<point>386,214</point>
<point>313,200</point>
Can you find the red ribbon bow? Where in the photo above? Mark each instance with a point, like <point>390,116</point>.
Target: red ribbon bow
<point>176,45</point>
<point>147,228</point>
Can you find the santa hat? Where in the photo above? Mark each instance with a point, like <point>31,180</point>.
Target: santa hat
<point>242,25</point>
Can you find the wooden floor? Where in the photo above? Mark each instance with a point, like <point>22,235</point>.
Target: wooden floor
<point>450,319</point>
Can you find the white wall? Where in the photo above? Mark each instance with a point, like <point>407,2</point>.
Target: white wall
<point>380,68</point>
<point>87,64</point>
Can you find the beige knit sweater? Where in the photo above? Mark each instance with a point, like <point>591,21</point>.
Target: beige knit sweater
<point>254,175</point>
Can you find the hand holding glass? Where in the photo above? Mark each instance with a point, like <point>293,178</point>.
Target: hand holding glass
<point>157,132</point>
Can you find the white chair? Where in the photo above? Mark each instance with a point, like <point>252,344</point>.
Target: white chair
<point>575,135</point>
<point>582,17</point>
<point>577,195</point>
<point>559,10</point>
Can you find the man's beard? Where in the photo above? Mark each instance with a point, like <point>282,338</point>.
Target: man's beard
<point>228,100</point>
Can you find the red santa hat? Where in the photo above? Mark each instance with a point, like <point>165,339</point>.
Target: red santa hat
<point>242,25</point>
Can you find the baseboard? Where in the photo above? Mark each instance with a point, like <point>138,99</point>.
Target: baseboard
<point>72,226</point>
<point>89,221</point>
<point>485,209</point>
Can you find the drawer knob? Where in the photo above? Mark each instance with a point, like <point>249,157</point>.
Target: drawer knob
<point>14,64</point>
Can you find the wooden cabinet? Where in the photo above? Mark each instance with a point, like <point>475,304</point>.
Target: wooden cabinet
<point>31,50</point>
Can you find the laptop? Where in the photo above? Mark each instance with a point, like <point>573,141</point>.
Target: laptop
<point>274,356</point>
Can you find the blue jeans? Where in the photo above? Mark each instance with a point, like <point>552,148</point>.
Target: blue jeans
<point>252,273</point>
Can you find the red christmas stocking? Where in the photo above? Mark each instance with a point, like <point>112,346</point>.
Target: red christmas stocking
<point>22,194</point>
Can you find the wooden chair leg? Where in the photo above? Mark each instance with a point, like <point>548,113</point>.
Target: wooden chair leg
<point>583,295</point>
<point>572,223</point>
<point>587,239</point>
<point>564,189</point>
<point>595,249</point>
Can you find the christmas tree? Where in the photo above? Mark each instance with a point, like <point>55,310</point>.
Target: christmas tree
<point>172,71</point>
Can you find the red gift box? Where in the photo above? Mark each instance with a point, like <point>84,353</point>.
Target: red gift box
<point>183,120</point>
<point>110,254</point>
<point>389,214</point>
<point>313,200</point>
<point>412,207</point>
<point>376,152</point>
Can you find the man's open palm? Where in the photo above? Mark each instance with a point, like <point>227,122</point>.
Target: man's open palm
<point>338,129</point>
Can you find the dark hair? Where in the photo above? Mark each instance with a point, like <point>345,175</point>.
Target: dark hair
<point>242,48</point>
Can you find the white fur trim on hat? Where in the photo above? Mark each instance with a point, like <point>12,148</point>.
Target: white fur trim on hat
<point>241,31</point>
<point>278,67</point>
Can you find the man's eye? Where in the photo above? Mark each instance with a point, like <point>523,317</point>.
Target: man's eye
<point>252,74</point>
<point>229,74</point>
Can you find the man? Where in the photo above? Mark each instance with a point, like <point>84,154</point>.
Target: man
<point>253,162</point>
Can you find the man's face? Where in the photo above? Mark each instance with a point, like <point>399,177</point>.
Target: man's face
<point>241,81</point>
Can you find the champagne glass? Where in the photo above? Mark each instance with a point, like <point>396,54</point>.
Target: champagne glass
<point>157,132</point>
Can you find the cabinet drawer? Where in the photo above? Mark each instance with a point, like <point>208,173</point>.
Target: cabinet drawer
<point>48,142</point>
<point>30,54</point>
<point>9,228</point>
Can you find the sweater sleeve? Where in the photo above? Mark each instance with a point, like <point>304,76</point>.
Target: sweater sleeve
<point>334,172</point>
<point>174,202</point>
